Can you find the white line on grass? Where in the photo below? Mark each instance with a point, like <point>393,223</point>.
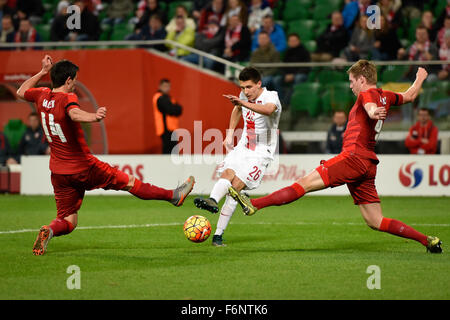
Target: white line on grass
<point>149,225</point>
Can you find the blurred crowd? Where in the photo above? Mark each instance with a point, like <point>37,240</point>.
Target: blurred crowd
<point>246,31</point>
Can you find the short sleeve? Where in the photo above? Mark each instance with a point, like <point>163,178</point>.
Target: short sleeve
<point>32,94</point>
<point>368,97</point>
<point>72,102</point>
<point>395,99</point>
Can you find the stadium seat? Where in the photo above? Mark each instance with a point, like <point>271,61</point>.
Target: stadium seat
<point>322,11</point>
<point>121,30</point>
<point>44,31</point>
<point>304,28</point>
<point>413,23</point>
<point>306,98</point>
<point>394,73</point>
<point>339,97</point>
<point>14,130</point>
<point>295,13</point>
<point>321,26</point>
<point>310,45</point>
<point>328,76</point>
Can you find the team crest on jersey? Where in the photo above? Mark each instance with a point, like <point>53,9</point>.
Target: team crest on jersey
<point>383,100</point>
<point>48,104</point>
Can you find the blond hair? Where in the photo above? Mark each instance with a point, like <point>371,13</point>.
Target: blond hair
<point>366,69</point>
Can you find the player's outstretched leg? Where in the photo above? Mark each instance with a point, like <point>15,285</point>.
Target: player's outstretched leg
<point>57,227</point>
<point>226,213</point>
<point>277,198</point>
<point>147,191</point>
<point>217,193</point>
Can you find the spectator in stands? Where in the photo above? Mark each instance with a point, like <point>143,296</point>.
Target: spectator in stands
<point>445,13</point>
<point>352,11</point>
<point>332,40</point>
<point>421,50</point>
<point>335,133</point>
<point>166,112</point>
<point>58,29</point>
<point>444,54</point>
<point>33,9</point>
<point>5,10</point>
<point>390,10</point>
<point>210,40</point>
<point>6,156</point>
<point>90,26</point>
<point>427,21</point>
<point>198,6</point>
<point>181,11</point>
<point>182,34</point>
<point>411,9</point>
<point>214,9</point>
<point>386,42</point>
<point>118,11</point>
<point>361,43</point>
<point>26,33</point>
<point>276,32</point>
<point>423,136</point>
<point>266,53</point>
<point>296,52</point>
<point>145,11</point>
<point>154,30</point>
<point>33,141</point>
<point>7,31</point>
<point>257,11</point>
<point>235,7</point>
<point>441,34</point>
<point>237,40</point>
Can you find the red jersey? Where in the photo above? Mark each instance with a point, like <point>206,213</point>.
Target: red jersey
<point>360,136</point>
<point>70,153</point>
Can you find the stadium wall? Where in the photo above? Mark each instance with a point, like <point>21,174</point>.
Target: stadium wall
<point>397,175</point>
<point>124,81</point>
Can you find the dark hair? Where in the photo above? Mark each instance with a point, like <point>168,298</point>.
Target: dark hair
<point>429,111</point>
<point>250,73</point>
<point>33,114</point>
<point>264,32</point>
<point>61,71</point>
<point>164,80</point>
<point>293,34</point>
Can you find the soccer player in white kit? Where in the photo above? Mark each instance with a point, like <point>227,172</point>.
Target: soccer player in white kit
<point>245,165</point>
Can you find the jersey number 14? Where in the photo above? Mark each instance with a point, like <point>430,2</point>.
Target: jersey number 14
<point>55,128</point>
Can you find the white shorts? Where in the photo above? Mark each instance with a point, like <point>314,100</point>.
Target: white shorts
<point>248,166</point>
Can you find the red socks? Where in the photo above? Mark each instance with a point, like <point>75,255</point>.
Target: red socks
<point>61,227</point>
<point>400,229</point>
<point>147,191</point>
<point>280,197</point>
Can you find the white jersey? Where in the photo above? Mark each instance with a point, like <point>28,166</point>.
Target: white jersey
<point>260,132</point>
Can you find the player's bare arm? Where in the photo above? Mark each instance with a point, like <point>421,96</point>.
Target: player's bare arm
<point>234,120</point>
<point>413,91</point>
<point>47,64</point>
<point>78,115</point>
<point>264,109</point>
<point>375,112</point>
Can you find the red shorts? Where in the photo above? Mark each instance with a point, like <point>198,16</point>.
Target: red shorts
<point>69,188</point>
<point>358,173</point>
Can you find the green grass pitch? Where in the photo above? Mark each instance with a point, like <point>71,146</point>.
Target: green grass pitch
<point>315,248</point>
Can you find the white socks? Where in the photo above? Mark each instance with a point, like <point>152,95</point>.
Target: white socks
<point>220,189</point>
<point>225,214</point>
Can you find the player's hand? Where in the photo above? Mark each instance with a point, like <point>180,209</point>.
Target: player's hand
<point>380,113</point>
<point>233,99</point>
<point>47,64</point>
<point>100,114</point>
<point>228,143</point>
<point>421,74</point>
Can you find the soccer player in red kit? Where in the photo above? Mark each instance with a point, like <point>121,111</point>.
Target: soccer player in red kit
<point>73,168</point>
<point>356,165</point>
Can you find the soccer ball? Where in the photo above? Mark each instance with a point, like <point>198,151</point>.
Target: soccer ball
<point>197,228</point>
